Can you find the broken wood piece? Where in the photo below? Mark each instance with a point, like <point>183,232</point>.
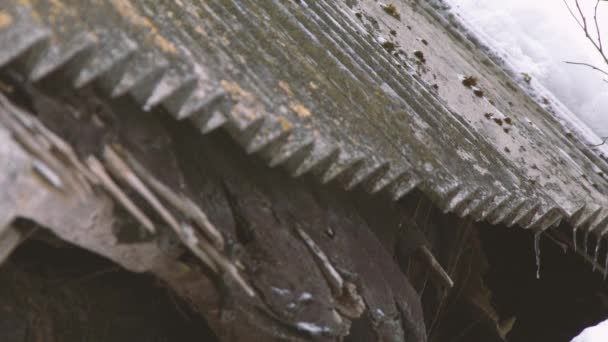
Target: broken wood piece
<point>180,202</point>
<point>120,169</point>
<point>191,241</point>
<point>331,274</point>
<point>226,266</point>
<point>112,188</point>
<point>351,304</point>
<point>436,267</point>
<point>208,253</point>
<point>36,148</point>
<point>53,143</point>
<point>68,154</point>
<point>40,142</point>
<point>412,242</point>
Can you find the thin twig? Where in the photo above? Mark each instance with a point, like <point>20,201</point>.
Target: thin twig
<point>582,22</point>
<point>573,15</point>
<point>597,26</point>
<point>580,11</point>
<point>604,139</point>
<point>588,65</point>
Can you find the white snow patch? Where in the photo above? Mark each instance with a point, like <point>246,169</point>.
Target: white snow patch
<point>305,296</point>
<point>428,167</point>
<point>596,333</point>
<point>536,37</point>
<point>280,291</point>
<point>311,328</point>
<point>189,234</point>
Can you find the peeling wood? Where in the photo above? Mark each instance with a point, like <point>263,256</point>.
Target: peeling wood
<point>114,190</point>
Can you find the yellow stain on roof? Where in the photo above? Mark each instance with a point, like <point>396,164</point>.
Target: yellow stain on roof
<point>286,125</point>
<point>235,90</point>
<point>283,85</point>
<point>126,9</point>
<point>247,105</point>
<point>5,19</point>
<point>300,109</point>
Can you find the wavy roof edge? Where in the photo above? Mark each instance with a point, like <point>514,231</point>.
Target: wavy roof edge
<point>325,87</point>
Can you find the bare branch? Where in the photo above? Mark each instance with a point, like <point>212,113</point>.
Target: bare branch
<point>580,12</point>
<point>582,22</point>
<point>573,15</point>
<point>597,27</point>
<point>588,65</point>
<point>600,144</point>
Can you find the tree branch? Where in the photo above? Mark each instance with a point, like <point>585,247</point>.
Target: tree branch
<point>597,27</point>
<point>582,22</point>
<point>600,144</point>
<point>588,65</point>
<point>573,15</point>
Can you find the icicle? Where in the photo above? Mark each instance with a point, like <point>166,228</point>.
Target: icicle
<point>586,241</point>
<point>597,249</point>
<point>537,252</point>
<point>574,238</point>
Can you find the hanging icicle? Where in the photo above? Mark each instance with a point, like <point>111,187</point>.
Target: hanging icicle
<point>597,249</point>
<point>537,252</point>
